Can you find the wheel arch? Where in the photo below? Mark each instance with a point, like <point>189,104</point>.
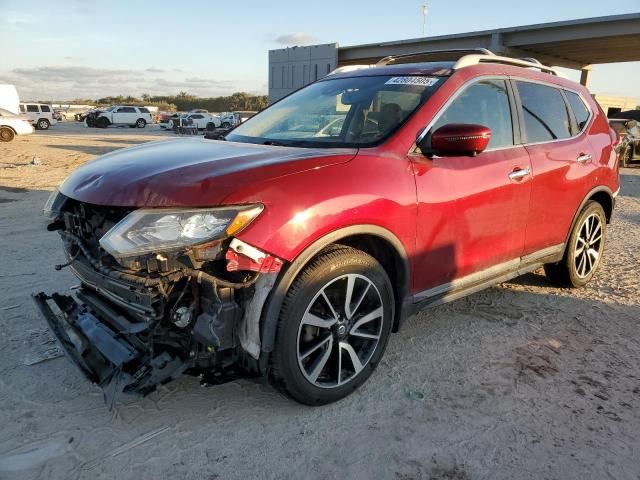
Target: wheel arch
<point>10,128</point>
<point>378,242</point>
<point>604,196</point>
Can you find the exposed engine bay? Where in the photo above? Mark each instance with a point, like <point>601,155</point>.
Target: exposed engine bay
<point>141,317</point>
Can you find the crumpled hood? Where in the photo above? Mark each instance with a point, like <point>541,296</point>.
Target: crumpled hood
<point>189,172</point>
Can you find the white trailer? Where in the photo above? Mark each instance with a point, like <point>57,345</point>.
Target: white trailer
<point>9,99</point>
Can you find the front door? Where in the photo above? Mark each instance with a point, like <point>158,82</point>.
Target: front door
<point>472,211</point>
<point>126,115</point>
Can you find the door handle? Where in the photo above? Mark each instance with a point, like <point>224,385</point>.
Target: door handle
<point>519,173</point>
<point>583,158</point>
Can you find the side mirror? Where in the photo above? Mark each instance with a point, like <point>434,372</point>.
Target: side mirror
<point>456,139</point>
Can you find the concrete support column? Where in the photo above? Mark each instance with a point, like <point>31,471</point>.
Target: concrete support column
<point>585,75</point>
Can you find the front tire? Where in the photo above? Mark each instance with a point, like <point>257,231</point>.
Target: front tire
<point>6,134</point>
<point>43,124</point>
<point>102,122</point>
<point>141,123</point>
<point>333,327</point>
<point>583,253</point>
<point>225,125</point>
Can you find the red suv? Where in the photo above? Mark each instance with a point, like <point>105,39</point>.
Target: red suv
<point>294,248</point>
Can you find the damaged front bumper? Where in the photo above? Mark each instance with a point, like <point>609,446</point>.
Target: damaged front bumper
<point>111,351</point>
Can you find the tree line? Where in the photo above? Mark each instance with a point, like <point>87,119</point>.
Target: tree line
<point>183,102</point>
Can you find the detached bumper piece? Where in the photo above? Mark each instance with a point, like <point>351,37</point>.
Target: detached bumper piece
<point>114,353</point>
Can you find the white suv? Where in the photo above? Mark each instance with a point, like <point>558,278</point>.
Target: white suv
<point>120,115</point>
<point>40,114</point>
<point>12,125</point>
<point>195,119</point>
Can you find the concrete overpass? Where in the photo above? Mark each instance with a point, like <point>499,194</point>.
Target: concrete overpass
<point>576,44</point>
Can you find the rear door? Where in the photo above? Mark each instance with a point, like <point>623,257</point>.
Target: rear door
<point>472,210</point>
<point>561,161</point>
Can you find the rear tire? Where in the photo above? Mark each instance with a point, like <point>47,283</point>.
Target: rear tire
<point>325,349</point>
<point>43,124</point>
<point>225,125</point>
<point>6,134</point>
<point>583,253</point>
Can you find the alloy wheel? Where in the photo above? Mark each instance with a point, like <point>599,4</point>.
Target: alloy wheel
<point>340,331</point>
<point>588,246</point>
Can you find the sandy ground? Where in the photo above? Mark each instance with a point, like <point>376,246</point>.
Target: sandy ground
<point>519,381</point>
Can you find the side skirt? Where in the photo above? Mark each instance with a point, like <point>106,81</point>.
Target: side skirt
<point>489,277</point>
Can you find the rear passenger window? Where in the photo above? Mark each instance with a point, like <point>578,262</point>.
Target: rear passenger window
<point>33,108</point>
<point>545,112</point>
<point>45,108</point>
<point>483,103</point>
<point>580,111</point>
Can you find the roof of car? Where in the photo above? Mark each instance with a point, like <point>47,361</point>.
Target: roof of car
<point>420,68</point>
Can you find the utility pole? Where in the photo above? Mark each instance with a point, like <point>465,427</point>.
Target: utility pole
<point>425,12</point>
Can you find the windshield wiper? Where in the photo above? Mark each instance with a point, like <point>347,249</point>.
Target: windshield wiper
<point>275,143</point>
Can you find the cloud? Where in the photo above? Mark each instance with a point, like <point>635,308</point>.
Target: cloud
<point>299,38</point>
<point>56,82</point>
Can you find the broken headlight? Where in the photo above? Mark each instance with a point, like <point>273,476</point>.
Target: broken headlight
<point>148,231</point>
<point>53,205</point>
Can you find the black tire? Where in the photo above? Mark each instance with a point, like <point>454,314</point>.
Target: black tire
<point>626,156</point>
<point>102,122</point>
<point>141,123</point>
<point>225,125</point>
<point>210,127</point>
<point>568,272</point>
<point>6,134</point>
<point>43,124</point>
<point>332,270</point>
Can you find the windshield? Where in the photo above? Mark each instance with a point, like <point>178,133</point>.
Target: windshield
<point>6,113</point>
<point>342,112</point>
<point>111,109</point>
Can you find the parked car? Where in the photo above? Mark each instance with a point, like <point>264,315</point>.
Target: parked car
<point>134,117</point>
<point>627,114</point>
<point>629,146</point>
<point>41,114</point>
<point>233,119</point>
<point>164,117</point>
<point>295,253</point>
<point>200,121</point>
<point>12,125</point>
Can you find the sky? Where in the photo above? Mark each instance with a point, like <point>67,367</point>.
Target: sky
<point>88,49</point>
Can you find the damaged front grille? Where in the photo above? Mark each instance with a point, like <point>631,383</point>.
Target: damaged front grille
<point>139,322</point>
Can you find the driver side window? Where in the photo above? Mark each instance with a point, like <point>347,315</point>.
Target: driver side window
<point>483,103</point>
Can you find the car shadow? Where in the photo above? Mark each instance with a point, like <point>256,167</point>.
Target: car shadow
<point>87,149</point>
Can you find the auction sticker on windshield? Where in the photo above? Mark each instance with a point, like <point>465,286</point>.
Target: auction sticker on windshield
<point>424,81</point>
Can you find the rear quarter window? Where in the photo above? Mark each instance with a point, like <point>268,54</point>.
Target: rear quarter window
<point>580,110</point>
<point>545,112</point>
